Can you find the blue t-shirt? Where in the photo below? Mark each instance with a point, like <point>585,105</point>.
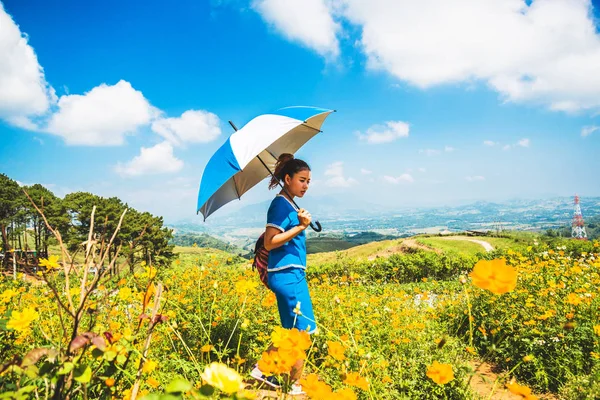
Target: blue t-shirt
<point>283,216</point>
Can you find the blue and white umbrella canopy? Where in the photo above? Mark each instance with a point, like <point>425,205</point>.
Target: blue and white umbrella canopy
<point>235,167</point>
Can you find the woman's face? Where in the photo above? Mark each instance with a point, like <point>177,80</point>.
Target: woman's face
<point>298,184</point>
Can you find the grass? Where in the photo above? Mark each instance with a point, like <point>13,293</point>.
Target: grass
<point>361,252</point>
<point>464,247</point>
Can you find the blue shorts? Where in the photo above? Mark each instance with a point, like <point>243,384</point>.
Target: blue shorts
<point>290,288</point>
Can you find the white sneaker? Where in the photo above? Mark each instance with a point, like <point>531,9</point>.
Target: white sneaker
<point>296,390</point>
<point>269,380</point>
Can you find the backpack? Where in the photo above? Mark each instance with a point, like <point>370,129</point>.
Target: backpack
<point>261,260</point>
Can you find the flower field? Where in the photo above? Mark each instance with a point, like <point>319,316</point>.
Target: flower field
<point>405,327</point>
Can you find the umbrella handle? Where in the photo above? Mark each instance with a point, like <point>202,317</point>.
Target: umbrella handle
<point>316,228</point>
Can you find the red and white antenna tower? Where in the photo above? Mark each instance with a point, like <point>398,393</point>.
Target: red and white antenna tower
<point>578,228</point>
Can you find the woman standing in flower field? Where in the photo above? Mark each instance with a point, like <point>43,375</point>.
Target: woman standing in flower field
<point>285,240</point>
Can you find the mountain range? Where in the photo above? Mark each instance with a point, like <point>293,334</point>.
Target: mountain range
<point>352,216</point>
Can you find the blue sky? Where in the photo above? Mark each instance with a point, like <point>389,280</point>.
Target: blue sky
<point>439,102</point>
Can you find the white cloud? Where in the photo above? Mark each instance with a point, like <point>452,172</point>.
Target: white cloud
<point>475,178</point>
<point>364,171</point>
<point>194,126</point>
<point>23,88</point>
<point>152,160</point>
<point>404,178</point>
<point>102,116</point>
<point>490,143</point>
<point>524,142</point>
<point>449,149</point>
<point>386,133</point>
<point>430,152</point>
<point>544,51</point>
<point>506,147</point>
<point>306,21</point>
<point>336,173</point>
<point>588,130</point>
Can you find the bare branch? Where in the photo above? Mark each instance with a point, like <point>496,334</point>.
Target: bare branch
<point>153,321</point>
<point>65,253</point>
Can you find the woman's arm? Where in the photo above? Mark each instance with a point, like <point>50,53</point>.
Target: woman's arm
<point>274,238</point>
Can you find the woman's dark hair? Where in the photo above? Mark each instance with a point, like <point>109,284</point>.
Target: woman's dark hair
<point>287,165</point>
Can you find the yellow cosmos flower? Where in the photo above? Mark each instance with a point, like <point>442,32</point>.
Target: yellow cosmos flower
<point>440,373</point>
<point>574,299</point>
<point>7,295</point>
<point>50,262</point>
<point>149,366</point>
<point>494,275</point>
<point>124,293</point>
<point>336,350</point>
<point>152,382</point>
<point>244,286</point>
<point>222,377</point>
<point>21,320</point>
<point>206,348</point>
<point>354,379</point>
<point>343,394</point>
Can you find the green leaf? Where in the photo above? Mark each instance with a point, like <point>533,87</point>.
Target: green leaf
<point>66,368</point>
<point>179,385</point>
<point>32,371</point>
<point>110,355</point>
<point>207,390</point>
<point>160,396</point>
<point>83,374</point>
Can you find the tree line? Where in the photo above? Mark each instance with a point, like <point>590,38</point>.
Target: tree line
<point>142,236</point>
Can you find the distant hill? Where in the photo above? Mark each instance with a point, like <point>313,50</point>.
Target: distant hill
<point>335,242</point>
<point>204,240</point>
<point>348,215</point>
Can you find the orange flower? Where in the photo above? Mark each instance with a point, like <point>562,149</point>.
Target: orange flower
<point>269,300</point>
<point>343,394</point>
<point>152,382</point>
<point>494,275</point>
<point>315,388</point>
<point>336,350</point>
<point>354,379</point>
<point>440,373</point>
<point>574,299</point>
<point>522,391</point>
<point>290,339</point>
<point>275,362</point>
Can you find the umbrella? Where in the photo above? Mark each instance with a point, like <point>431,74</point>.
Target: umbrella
<point>250,154</point>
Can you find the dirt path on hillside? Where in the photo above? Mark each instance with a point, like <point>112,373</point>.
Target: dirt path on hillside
<point>403,247</point>
<point>488,247</point>
<point>482,384</point>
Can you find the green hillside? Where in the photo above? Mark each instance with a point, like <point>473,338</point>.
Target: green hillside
<point>342,241</point>
<point>204,240</point>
